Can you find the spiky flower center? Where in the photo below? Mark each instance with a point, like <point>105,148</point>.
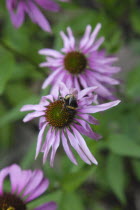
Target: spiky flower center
<point>57,115</point>
<point>9,201</point>
<point>75,62</point>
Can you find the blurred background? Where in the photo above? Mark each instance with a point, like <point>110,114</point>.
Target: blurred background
<point>115,183</point>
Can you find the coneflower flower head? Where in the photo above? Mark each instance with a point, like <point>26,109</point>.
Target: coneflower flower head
<point>19,8</point>
<point>26,185</point>
<point>82,65</point>
<point>66,114</point>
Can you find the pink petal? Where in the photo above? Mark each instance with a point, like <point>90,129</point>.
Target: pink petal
<point>50,52</point>
<point>83,81</point>
<point>99,108</point>
<point>40,138</point>
<point>47,206</point>
<point>106,79</point>
<point>42,120</point>
<point>35,180</point>
<point>96,45</point>
<point>66,42</point>
<point>15,177</point>
<point>63,89</point>
<point>25,177</point>
<point>71,38</point>
<point>84,146</point>
<point>3,173</point>
<point>67,149</point>
<point>88,132</point>
<point>50,139</point>
<point>31,107</point>
<point>55,147</point>
<point>32,115</point>
<point>37,17</point>
<point>85,37</point>
<point>74,144</point>
<point>86,91</point>
<point>48,5</point>
<point>40,190</point>
<point>50,78</point>
<point>18,17</point>
<point>92,37</point>
<point>89,118</point>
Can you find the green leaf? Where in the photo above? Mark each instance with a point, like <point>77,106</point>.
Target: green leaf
<point>121,144</point>
<point>71,200</point>
<point>15,114</point>
<point>22,92</point>
<point>136,168</point>
<point>7,66</point>
<point>132,84</point>
<point>72,181</point>
<point>5,132</point>
<point>116,176</point>
<point>47,197</point>
<point>135,20</point>
<point>29,157</point>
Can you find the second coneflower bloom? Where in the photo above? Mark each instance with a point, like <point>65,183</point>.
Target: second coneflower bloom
<point>66,114</point>
<point>19,8</point>
<point>26,186</point>
<point>82,65</point>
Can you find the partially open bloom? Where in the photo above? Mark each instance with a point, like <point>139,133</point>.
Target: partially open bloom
<point>82,66</point>
<point>18,9</point>
<point>66,114</point>
<point>26,185</point>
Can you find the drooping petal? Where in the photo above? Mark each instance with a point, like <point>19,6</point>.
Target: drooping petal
<point>42,120</point>
<point>75,145</point>
<point>88,132</point>
<point>55,147</point>
<point>39,140</point>
<point>84,146</point>
<point>67,149</point>
<point>17,17</point>
<point>50,139</point>
<point>89,118</point>
<point>37,17</point>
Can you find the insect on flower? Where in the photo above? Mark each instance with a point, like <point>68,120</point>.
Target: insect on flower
<point>70,102</point>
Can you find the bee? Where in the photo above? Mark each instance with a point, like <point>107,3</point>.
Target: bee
<point>70,103</point>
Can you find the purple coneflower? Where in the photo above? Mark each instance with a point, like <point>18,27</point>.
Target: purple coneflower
<point>26,185</point>
<point>18,9</point>
<point>81,66</point>
<point>66,114</point>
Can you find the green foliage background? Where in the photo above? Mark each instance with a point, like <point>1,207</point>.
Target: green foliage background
<point>114,183</point>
